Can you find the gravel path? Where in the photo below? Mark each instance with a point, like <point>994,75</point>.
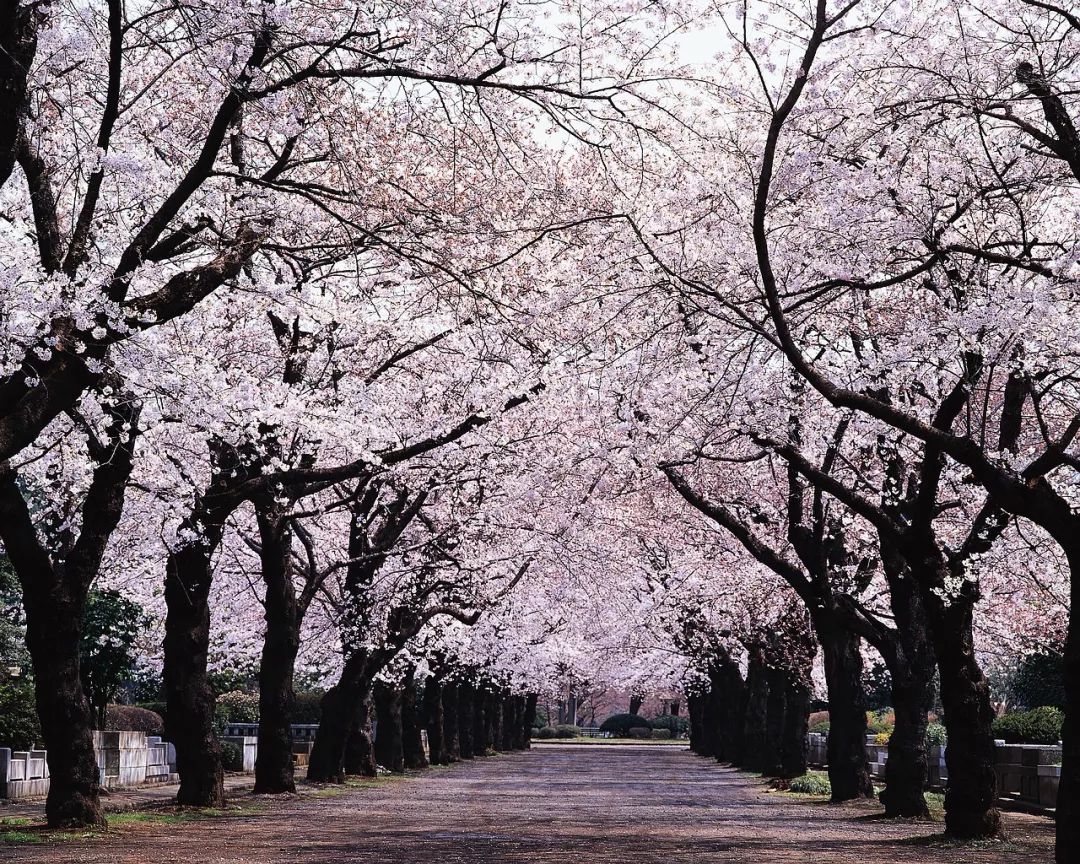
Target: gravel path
<point>592,805</point>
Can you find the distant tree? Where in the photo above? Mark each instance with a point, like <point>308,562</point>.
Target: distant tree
<point>1038,680</point>
<point>107,656</point>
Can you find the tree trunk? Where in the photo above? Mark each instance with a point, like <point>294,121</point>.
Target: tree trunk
<point>1067,847</point>
<point>849,774</point>
<point>635,703</point>
<point>389,743</point>
<point>695,707</point>
<point>411,725</point>
<point>451,712</point>
<point>757,698</point>
<point>281,642</point>
<point>530,719</point>
<point>433,721</point>
<point>53,632</point>
<point>189,712</point>
<point>338,717</point>
<point>732,713</point>
<point>775,721</point>
<point>911,664</point>
<point>465,696</point>
<point>965,696</point>
<point>360,747</point>
<point>794,747</point>
<point>480,741</point>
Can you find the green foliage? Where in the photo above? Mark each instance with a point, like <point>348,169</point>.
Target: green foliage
<point>877,682</point>
<point>14,658</point>
<point>1039,679</point>
<point>308,706</point>
<point>878,722</point>
<point>812,783</point>
<point>821,727</point>
<point>639,732</point>
<point>236,707</point>
<point>134,719</point>
<point>19,727</point>
<point>158,708</point>
<point>111,624</point>
<point>936,735</point>
<point>546,733</point>
<point>678,727</point>
<point>242,676</point>
<point>232,757</point>
<point>620,725</point>
<point>881,739</point>
<point>565,730</point>
<point>1037,726</point>
<point>660,734</point>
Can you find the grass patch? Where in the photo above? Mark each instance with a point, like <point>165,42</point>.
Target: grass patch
<point>814,783</point>
<point>610,742</point>
<point>936,802</point>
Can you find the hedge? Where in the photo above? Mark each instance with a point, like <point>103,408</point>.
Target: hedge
<point>1037,726</point>
<point>620,725</point>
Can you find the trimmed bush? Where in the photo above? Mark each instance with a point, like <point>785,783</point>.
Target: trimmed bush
<point>19,728</point>
<point>157,707</point>
<point>236,706</point>
<point>565,730</point>
<point>936,736</point>
<point>134,719</point>
<point>1037,726</point>
<point>812,783</point>
<point>639,732</point>
<point>679,727</point>
<point>232,757</point>
<point>620,725</point>
<point>821,727</point>
<point>660,734</point>
<point>547,733</point>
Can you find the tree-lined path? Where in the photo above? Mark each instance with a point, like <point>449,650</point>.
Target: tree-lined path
<point>554,803</point>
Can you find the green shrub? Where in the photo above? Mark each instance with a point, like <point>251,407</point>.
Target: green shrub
<point>236,707</point>
<point>565,730</point>
<point>620,725</point>
<point>232,757</point>
<point>881,739</point>
<point>134,719</point>
<point>936,735</point>
<point>639,732</point>
<point>19,728</point>
<point>660,734</point>
<point>679,727</point>
<point>157,707</point>
<point>547,733</point>
<point>821,727</point>
<point>1037,726</point>
<point>812,783</point>
<point>308,706</point>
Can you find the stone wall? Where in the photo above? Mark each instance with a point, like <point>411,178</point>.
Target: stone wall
<point>123,759</point>
<point>1026,773</point>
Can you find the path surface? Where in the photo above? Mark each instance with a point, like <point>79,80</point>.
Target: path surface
<point>587,805</point>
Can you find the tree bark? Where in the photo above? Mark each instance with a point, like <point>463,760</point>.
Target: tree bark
<point>794,747</point>
<point>849,774</point>
<point>433,721</point>
<point>359,747</point>
<point>281,642</point>
<point>53,633</point>
<point>530,719</point>
<point>695,708</point>
<point>411,726</point>
<point>189,712</point>
<point>754,723</point>
<point>451,704</point>
<point>389,744</point>
<point>480,733</point>
<point>1067,846</point>
<point>465,724</point>
<point>775,721</point>
<point>636,701</point>
<point>340,709</point>
<point>911,663</point>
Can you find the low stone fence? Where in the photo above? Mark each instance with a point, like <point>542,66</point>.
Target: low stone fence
<point>123,759</point>
<point>1026,773</point>
<point>246,737</point>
